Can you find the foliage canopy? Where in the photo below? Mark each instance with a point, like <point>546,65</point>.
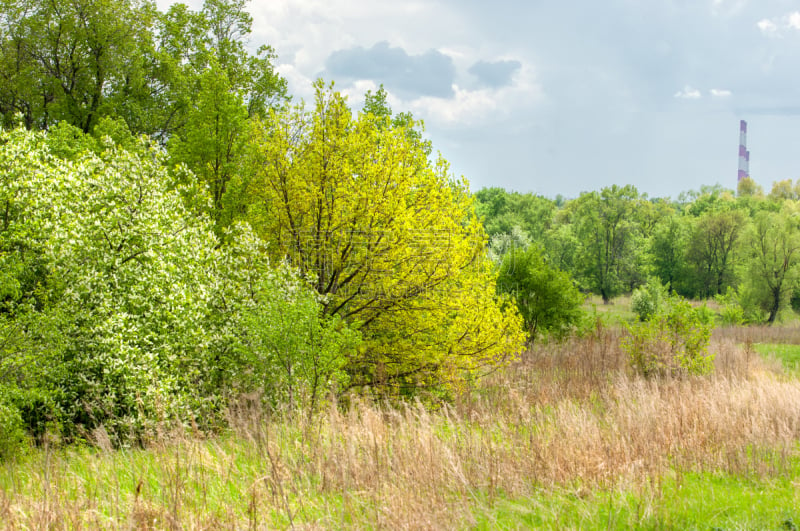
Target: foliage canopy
<point>390,238</point>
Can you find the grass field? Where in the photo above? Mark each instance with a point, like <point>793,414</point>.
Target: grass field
<point>617,312</point>
<point>788,355</point>
<point>689,501</point>
<point>566,437</point>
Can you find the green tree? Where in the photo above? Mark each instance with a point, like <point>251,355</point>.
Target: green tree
<point>667,251</point>
<point>747,187</point>
<point>212,142</point>
<point>63,59</point>
<point>391,240</point>
<point>547,299</point>
<point>216,87</point>
<point>80,60</point>
<point>118,306</point>
<point>606,231</point>
<point>772,255</point>
<point>561,245</point>
<point>296,352</point>
<point>652,213</point>
<point>501,211</point>
<point>782,190</point>
<point>712,250</point>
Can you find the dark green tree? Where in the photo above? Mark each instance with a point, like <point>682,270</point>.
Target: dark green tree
<point>667,251</point>
<point>712,251</point>
<point>546,297</point>
<point>607,233</point>
<point>66,59</point>
<point>771,248</point>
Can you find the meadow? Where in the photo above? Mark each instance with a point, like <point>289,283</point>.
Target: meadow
<point>565,437</point>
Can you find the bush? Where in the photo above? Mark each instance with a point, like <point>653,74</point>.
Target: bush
<point>731,312</point>
<point>12,428</point>
<point>647,300</point>
<point>129,307</point>
<point>673,342</point>
<point>295,351</point>
<point>546,297</point>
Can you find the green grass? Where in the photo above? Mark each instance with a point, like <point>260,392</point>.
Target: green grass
<point>706,501</point>
<point>788,355</point>
<point>616,313</point>
<point>692,501</point>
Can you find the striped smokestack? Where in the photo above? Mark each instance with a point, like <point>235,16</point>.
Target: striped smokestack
<point>744,155</point>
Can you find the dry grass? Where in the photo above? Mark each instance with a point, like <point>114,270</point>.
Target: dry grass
<point>789,335</point>
<point>565,416</point>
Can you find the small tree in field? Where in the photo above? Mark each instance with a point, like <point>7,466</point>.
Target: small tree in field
<point>647,300</point>
<point>672,342</point>
<point>547,299</point>
<point>296,351</point>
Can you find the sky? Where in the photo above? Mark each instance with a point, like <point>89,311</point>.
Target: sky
<point>558,97</point>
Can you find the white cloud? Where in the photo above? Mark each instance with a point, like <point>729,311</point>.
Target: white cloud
<point>688,93</point>
<point>720,93</point>
<point>777,26</point>
<point>767,26</point>
<point>481,106</point>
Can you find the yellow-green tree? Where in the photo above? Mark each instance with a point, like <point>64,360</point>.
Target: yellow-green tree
<point>387,236</point>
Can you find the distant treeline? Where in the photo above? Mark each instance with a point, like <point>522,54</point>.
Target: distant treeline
<point>714,242</point>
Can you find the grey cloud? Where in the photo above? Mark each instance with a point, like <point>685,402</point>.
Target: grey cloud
<point>428,74</point>
<point>495,74</point>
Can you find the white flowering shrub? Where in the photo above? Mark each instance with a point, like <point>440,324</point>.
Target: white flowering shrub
<point>121,290</point>
<point>130,310</point>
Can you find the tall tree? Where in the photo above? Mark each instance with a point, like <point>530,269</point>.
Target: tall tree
<point>80,60</point>
<point>667,251</point>
<point>501,211</point>
<point>61,59</point>
<point>772,254</point>
<point>389,238</point>
<point>217,89</point>
<point>606,229</point>
<point>782,190</point>
<point>712,250</point>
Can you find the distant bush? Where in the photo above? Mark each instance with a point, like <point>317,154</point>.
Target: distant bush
<point>731,312</point>
<point>672,342</point>
<point>646,300</point>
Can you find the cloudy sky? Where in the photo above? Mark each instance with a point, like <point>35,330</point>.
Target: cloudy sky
<point>564,96</point>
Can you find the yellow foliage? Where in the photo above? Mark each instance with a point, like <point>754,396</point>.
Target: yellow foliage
<point>388,236</point>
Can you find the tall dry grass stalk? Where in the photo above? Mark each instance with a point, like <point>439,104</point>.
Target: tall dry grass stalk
<point>760,334</point>
<point>566,415</point>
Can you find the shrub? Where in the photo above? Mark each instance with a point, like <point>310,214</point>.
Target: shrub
<point>646,300</point>
<point>12,428</point>
<point>673,342</point>
<point>128,305</point>
<point>731,312</point>
<point>296,352</point>
<point>546,297</point>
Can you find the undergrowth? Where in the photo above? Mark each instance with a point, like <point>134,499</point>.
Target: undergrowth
<point>552,440</point>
